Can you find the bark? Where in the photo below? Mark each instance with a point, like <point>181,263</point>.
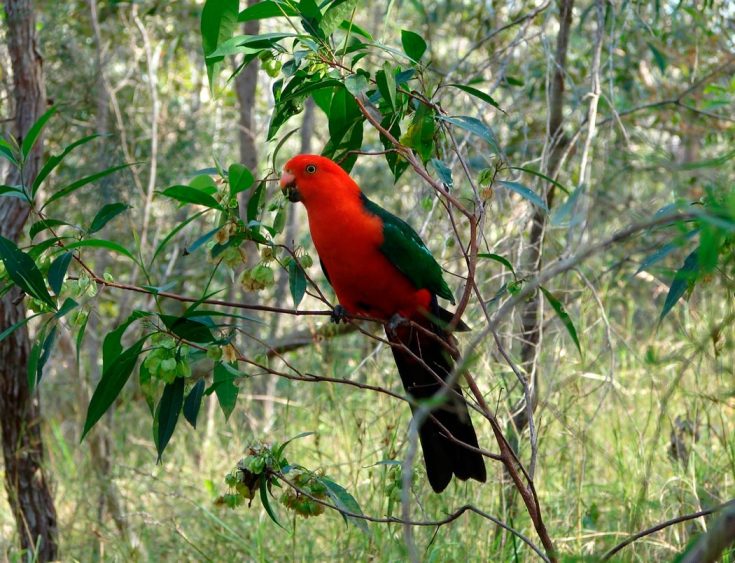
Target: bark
<point>28,489</point>
<point>531,312</point>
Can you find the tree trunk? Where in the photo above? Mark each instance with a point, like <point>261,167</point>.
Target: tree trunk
<point>555,145</point>
<point>28,490</point>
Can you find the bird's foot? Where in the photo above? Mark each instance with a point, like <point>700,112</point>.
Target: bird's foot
<point>395,321</point>
<point>339,315</point>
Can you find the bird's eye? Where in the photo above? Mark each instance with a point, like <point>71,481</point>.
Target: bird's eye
<point>310,168</point>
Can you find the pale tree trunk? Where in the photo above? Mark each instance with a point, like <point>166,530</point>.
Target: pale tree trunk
<point>555,144</point>
<point>28,490</point>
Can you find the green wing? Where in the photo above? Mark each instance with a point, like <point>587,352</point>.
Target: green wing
<point>407,252</point>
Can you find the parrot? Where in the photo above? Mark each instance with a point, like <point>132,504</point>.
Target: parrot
<point>380,268</point>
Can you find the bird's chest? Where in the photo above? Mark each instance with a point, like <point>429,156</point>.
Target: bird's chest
<point>362,277</point>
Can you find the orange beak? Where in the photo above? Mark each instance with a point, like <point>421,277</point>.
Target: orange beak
<point>288,186</point>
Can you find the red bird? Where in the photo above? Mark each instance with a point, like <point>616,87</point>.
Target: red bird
<point>379,267</point>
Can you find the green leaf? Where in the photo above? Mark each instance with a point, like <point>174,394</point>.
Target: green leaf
<point>658,56</point>
<point>101,243</point>
<point>57,271</point>
<point>255,202</point>
<point>187,194</point>
<point>296,282</point>
<point>23,271</point>
<point>386,81</point>
<point>68,305</point>
<point>563,316</point>
<point>278,451</point>
<point>8,151</point>
<point>413,44</point>
<point>106,214</point>
<point>45,351</point>
<point>543,176</point>
<point>219,18</point>
<point>168,413</point>
<point>175,230</point>
<point>664,251</point>
<point>563,215</point>
<point>356,84</point>
<point>190,328</point>
<point>266,9</point>
<point>240,178</point>
<point>444,172</point>
<point>338,11</point>
<point>225,388</point>
<point>684,278</point>
<point>43,224</point>
<point>345,501</point>
<point>193,403</point>
<point>476,127</point>
<point>504,261</point>
<point>112,345</point>
<point>711,241</point>
<point>266,501</point>
<point>55,160</point>
<point>113,379</point>
<point>478,94</point>
<point>525,193</point>
<point>35,131</point>
<point>14,191</point>
<point>343,112</point>
<point>65,191</point>
<point>15,326</point>
<point>80,335</point>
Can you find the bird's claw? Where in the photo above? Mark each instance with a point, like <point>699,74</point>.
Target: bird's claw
<point>339,314</point>
<point>395,321</point>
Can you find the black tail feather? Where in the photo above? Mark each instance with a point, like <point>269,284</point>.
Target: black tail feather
<point>443,456</point>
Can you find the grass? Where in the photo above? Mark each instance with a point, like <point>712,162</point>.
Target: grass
<point>604,469</point>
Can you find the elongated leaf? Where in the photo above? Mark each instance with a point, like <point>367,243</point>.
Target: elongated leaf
<point>46,348</point>
<point>543,176</point>
<point>444,172</point>
<point>564,214</point>
<point>80,335</point>
<point>413,44</point>
<point>664,251</point>
<point>563,316</point>
<point>477,94</point>
<point>192,329</point>
<point>68,305</point>
<point>106,214</point>
<point>266,9</point>
<point>101,243</point>
<point>345,501</point>
<point>35,131</point>
<point>193,403</point>
<point>168,413</point>
<point>113,379</point>
<point>15,326</point>
<point>684,277</point>
<point>386,81</point>
<point>277,453</point>
<point>43,224</point>
<point>57,271</point>
<point>476,127</point>
<point>219,18</point>
<point>112,345</point>
<point>266,501</point>
<point>55,160</point>
<point>8,151</point>
<point>23,271</point>
<point>187,194</point>
<point>225,388</point>
<point>504,261</point>
<point>296,282</point>
<point>525,193</point>
<point>175,230</point>
<point>74,186</point>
